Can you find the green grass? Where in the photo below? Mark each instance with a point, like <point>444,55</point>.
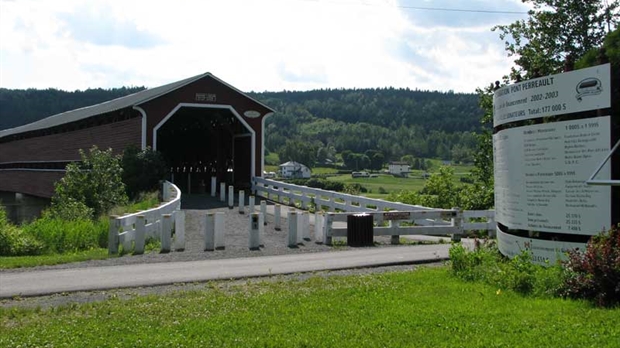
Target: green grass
<point>424,308</point>
<point>7,262</point>
<point>389,183</point>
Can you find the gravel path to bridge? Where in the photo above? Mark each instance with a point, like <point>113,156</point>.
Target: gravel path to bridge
<point>236,237</point>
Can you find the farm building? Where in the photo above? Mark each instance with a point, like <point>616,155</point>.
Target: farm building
<point>399,168</point>
<point>294,170</point>
<point>202,126</point>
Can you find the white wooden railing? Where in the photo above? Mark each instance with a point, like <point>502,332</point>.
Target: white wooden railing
<point>331,201</point>
<point>132,230</point>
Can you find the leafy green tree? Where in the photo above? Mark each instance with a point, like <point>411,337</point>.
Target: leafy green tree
<point>555,31</point>
<point>142,170</point>
<point>299,151</point>
<point>94,182</point>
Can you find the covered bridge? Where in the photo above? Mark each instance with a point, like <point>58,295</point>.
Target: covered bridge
<point>201,125</point>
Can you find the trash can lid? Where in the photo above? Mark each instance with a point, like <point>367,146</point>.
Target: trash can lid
<point>361,214</point>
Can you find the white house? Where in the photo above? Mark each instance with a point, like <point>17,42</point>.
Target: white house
<point>399,168</point>
<point>294,170</point>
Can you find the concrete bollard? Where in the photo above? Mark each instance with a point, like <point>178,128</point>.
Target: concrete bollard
<point>138,247</point>
<point>300,227</point>
<point>115,225</point>
<point>292,229</point>
<point>277,210</point>
<point>166,232</point>
<point>209,242</point>
<point>219,230</point>
<point>231,196</point>
<point>305,218</point>
<point>254,241</point>
<point>179,230</point>
<point>327,226</point>
<point>318,227</point>
<point>251,201</point>
<point>223,192</point>
<point>213,185</point>
<point>242,202</point>
<point>263,211</point>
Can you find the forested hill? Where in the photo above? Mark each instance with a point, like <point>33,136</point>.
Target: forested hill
<point>19,106</point>
<point>315,126</point>
<point>387,107</point>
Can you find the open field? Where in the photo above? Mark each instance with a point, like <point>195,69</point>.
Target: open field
<point>421,308</point>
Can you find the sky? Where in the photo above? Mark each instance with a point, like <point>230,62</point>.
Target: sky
<point>254,45</point>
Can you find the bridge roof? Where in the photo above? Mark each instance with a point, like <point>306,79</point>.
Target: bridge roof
<point>112,105</point>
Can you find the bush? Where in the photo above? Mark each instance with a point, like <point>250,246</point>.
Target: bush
<point>70,209</point>
<point>95,182</point>
<point>142,170</point>
<point>14,241</point>
<point>595,274</point>
<point>486,264</point>
<point>59,236</point>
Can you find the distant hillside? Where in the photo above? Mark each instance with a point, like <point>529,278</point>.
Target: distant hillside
<point>19,106</point>
<point>319,123</point>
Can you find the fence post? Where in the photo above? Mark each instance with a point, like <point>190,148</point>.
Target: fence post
<point>263,211</point>
<point>254,241</point>
<point>491,222</point>
<point>305,218</point>
<point>115,224</point>
<point>138,247</point>
<point>223,191</point>
<point>395,238</point>
<point>166,231</point>
<point>318,227</point>
<point>219,230</point>
<point>281,195</point>
<point>209,242</point>
<point>242,202</point>
<point>292,229</point>
<point>231,196</point>
<point>251,201</point>
<point>327,229</point>
<point>179,230</point>
<point>277,210</point>
<point>457,223</point>
<point>213,185</point>
<point>303,197</point>
<point>165,194</point>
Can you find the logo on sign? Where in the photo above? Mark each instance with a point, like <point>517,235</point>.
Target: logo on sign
<point>588,87</point>
<point>251,114</point>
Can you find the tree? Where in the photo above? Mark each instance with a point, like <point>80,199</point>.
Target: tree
<point>94,182</point>
<point>142,170</point>
<point>556,31</point>
<point>299,151</point>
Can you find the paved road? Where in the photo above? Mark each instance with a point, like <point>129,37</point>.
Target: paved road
<point>38,283</point>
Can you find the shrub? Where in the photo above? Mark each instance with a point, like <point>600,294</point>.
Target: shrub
<point>14,241</point>
<point>70,209</point>
<point>95,182</point>
<point>142,170</point>
<point>486,264</point>
<point>595,274</point>
<point>59,236</point>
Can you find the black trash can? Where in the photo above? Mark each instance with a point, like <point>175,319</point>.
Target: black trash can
<point>360,230</point>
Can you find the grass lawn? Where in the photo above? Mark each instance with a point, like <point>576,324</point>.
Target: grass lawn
<point>423,308</point>
<point>7,262</point>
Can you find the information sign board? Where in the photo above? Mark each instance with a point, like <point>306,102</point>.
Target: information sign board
<point>540,173</point>
<point>575,91</point>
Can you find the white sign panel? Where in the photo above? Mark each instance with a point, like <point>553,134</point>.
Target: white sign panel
<point>540,174</point>
<point>575,91</point>
<point>542,251</point>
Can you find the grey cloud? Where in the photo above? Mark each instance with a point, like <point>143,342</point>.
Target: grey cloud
<point>314,76</point>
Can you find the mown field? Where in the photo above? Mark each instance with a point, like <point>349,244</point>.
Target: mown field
<point>420,308</point>
<point>384,184</point>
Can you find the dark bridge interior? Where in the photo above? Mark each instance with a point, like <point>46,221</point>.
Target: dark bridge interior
<point>198,143</point>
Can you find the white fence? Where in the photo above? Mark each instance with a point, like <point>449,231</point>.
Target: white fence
<point>399,223</point>
<point>131,231</point>
<point>436,219</point>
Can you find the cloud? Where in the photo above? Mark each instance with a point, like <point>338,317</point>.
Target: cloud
<point>253,45</point>
<point>96,25</point>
